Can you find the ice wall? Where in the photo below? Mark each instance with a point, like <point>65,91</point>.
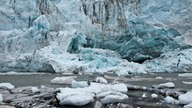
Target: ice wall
<point>138,30</point>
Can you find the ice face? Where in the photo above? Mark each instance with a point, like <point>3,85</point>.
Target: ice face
<point>34,33</point>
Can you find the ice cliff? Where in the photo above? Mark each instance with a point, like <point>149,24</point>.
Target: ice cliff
<point>120,36</point>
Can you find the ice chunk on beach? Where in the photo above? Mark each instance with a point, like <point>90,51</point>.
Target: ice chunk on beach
<point>101,80</point>
<point>170,100</point>
<point>120,87</point>
<point>154,95</point>
<point>7,85</point>
<point>79,84</point>
<point>118,97</point>
<point>76,97</point>
<point>165,85</point>
<point>35,90</point>
<point>63,80</point>
<point>185,75</point>
<point>185,98</point>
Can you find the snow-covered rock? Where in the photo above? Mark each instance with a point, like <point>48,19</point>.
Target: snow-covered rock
<point>7,85</point>
<point>101,80</point>
<point>185,98</point>
<point>63,80</point>
<point>188,106</point>
<point>1,98</point>
<point>79,84</point>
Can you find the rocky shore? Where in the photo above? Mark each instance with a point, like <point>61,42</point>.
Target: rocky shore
<point>100,92</point>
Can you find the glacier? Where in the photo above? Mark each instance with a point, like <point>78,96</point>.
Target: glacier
<point>96,36</point>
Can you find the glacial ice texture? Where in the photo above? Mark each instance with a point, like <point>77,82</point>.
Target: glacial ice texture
<point>94,36</point>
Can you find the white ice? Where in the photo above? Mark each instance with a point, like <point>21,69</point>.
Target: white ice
<point>185,98</point>
<point>35,90</point>
<point>63,80</point>
<point>166,85</point>
<point>107,92</point>
<point>101,80</point>
<point>185,75</point>
<point>170,100</point>
<point>154,95</point>
<point>7,85</point>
